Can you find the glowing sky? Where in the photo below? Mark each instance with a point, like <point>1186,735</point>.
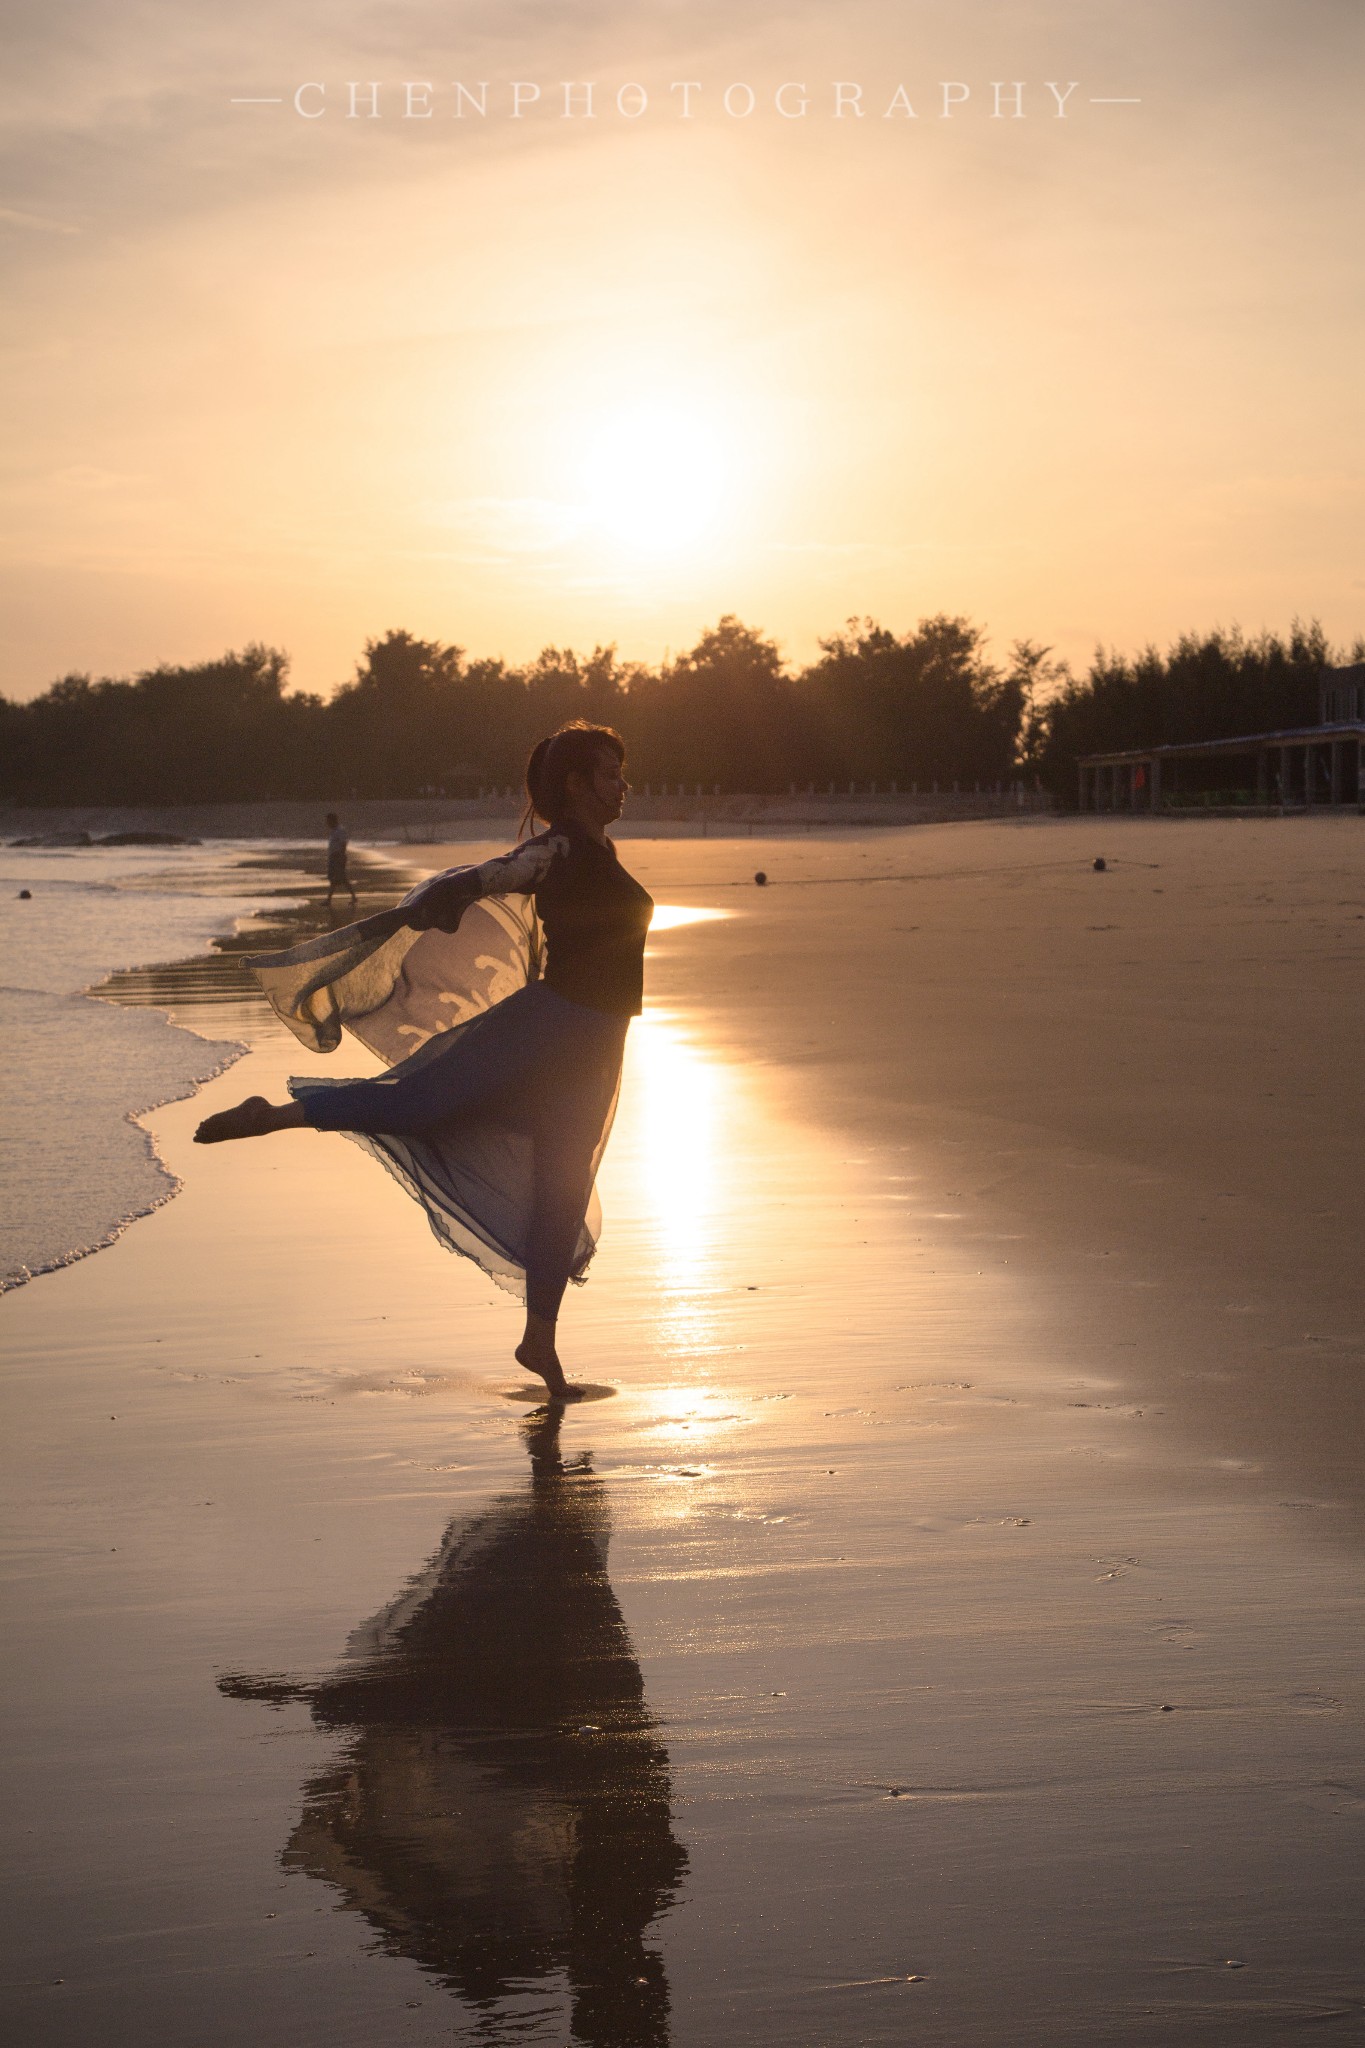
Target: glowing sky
<point>509,381</point>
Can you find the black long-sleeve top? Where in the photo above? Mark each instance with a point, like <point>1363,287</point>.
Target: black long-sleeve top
<point>595,915</point>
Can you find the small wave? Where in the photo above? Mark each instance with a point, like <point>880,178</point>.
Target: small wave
<point>90,1046</point>
<point>78,1076</point>
<point>79,1073</point>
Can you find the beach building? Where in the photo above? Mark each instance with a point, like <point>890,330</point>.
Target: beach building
<point>1306,767</point>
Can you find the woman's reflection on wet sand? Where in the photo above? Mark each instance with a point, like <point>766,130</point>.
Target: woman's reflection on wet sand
<point>502,1813</point>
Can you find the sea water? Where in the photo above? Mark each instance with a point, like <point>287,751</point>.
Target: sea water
<point>75,1167</point>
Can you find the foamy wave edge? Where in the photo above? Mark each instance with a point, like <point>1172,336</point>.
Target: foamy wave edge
<point>233,1049</point>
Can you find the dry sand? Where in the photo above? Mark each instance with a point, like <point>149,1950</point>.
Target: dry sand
<point>976,1654</point>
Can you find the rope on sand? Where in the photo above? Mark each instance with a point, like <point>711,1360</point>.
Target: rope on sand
<point>914,875</point>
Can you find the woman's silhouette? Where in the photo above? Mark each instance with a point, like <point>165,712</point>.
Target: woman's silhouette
<point>501,1811</point>
<point>500,996</point>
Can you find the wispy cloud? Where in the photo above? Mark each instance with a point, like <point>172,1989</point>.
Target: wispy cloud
<point>35,223</point>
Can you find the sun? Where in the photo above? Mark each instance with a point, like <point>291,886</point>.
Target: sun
<point>654,475</point>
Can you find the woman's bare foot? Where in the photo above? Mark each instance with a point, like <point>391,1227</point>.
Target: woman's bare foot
<point>253,1118</point>
<point>543,1359</point>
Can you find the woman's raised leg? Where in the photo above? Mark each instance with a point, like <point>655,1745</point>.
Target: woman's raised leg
<point>254,1118</point>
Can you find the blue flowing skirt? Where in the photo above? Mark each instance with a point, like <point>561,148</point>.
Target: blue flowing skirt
<point>496,1127</point>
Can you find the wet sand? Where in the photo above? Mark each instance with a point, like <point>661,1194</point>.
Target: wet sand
<point>948,1630</point>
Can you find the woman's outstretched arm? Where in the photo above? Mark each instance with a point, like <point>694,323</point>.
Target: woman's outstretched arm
<point>440,903</point>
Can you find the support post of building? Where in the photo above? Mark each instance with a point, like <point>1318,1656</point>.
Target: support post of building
<point>1284,778</point>
<point>1262,777</point>
<point>1308,766</point>
<point>1334,785</point>
<point>1155,784</point>
<point>1081,804</point>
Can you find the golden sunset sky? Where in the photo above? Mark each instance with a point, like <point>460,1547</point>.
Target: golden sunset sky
<point>509,380</point>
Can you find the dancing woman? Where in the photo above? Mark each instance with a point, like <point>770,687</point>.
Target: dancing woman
<point>500,995</point>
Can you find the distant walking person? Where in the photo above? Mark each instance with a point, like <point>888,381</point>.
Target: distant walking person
<point>499,997</point>
<point>338,842</point>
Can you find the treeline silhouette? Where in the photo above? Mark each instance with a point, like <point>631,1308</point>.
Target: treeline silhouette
<point>1214,686</point>
<point>419,716</point>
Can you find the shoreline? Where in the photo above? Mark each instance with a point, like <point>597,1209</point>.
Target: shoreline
<point>188,994</point>
<point>233,1051</point>
<point>425,820</point>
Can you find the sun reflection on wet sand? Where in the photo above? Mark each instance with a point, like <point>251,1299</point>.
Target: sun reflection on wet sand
<point>668,916</point>
<point>688,1417</point>
<point>679,1101</point>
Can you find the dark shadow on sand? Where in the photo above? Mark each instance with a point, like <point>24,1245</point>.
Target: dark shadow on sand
<point>501,1812</point>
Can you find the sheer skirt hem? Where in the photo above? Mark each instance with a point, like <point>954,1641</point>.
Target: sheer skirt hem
<point>395,1155</point>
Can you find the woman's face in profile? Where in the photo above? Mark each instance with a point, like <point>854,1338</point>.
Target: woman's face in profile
<point>598,798</point>
<point>609,784</point>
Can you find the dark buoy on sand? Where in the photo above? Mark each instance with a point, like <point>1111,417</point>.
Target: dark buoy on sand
<point>26,895</point>
<point>761,879</point>
<point>1101,865</point>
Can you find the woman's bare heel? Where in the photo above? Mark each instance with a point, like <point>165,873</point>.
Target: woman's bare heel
<point>544,1361</point>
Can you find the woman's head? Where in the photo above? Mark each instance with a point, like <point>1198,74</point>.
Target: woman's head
<point>578,766</point>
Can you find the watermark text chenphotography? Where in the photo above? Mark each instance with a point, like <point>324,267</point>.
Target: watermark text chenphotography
<point>686,99</point>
